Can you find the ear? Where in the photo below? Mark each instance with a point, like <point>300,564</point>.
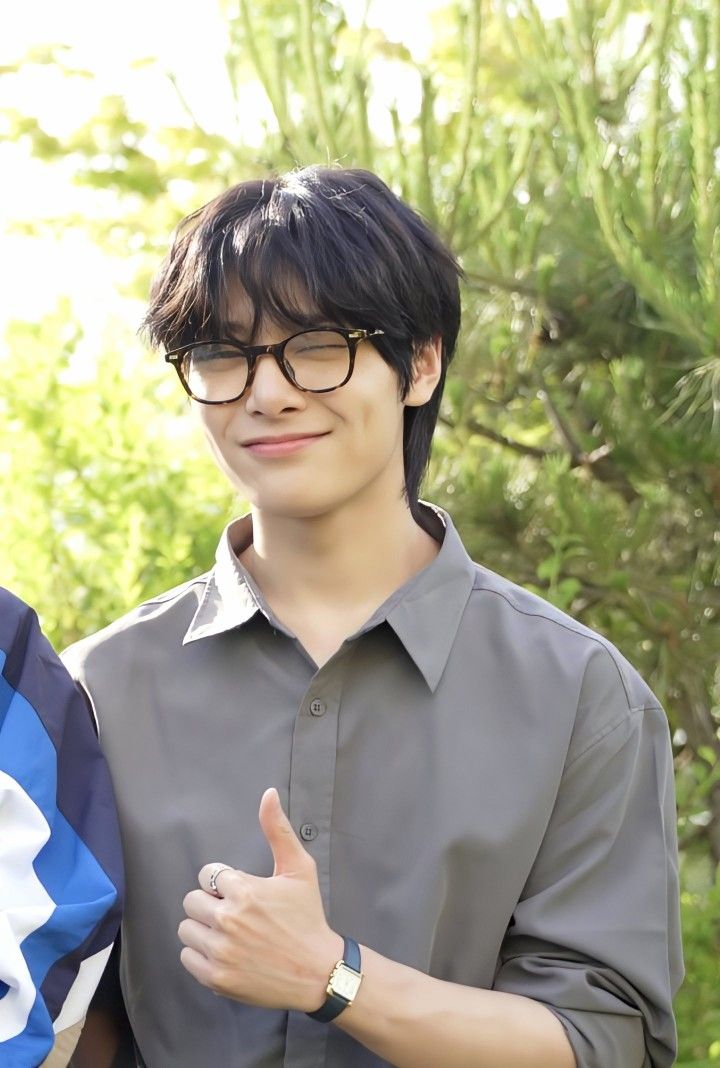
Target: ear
<point>426,371</point>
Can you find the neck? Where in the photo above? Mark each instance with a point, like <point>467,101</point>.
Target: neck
<point>355,556</point>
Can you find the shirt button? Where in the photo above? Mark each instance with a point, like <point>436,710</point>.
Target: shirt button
<point>308,832</point>
<point>317,708</point>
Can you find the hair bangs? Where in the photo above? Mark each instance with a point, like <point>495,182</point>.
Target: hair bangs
<point>262,259</point>
<point>297,270</point>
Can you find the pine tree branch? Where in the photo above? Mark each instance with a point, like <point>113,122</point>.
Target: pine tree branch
<point>669,296</point>
<point>704,176</point>
<point>307,47</point>
<point>649,152</point>
<point>598,462</point>
<point>171,77</point>
<point>360,93</point>
<point>713,75</point>
<point>519,162</point>
<point>400,152</point>
<point>467,115</point>
<point>636,64</point>
<point>478,280</point>
<point>256,58</point>
<point>561,427</point>
<point>474,427</point>
<point>425,122</point>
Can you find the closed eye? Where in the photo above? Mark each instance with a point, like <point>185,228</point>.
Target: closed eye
<point>206,353</point>
<point>319,348</point>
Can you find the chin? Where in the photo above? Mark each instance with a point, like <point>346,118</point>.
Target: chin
<point>289,499</point>
<point>297,506</point>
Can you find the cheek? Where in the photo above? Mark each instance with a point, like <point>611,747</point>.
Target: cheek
<point>214,425</point>
<point>375,438</point>
<point>381,418</point>
<point>215,428</point>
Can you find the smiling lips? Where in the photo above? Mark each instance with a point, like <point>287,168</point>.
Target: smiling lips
<point>282,445</point>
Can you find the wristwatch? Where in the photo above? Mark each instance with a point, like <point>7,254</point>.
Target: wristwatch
<point>343,984</point>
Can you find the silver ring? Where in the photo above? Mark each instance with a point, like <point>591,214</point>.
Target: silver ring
<point>214,876</point>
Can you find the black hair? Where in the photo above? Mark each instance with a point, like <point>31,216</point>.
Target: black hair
<point>322,242</point>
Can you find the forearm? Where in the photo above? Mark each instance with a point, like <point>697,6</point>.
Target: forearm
<point>266,941</point>
<point>415,1021</point>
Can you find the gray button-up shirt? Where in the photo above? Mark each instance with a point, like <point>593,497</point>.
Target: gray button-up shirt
<point>485,784</point>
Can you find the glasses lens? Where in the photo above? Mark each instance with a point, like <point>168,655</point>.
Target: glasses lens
<point>215,371</point>
<point>318,359</point>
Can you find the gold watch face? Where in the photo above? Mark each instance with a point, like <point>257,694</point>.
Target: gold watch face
<point>345,982</point>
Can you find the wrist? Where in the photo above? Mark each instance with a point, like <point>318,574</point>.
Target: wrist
<point>324,960</point>
<point>343,983</point>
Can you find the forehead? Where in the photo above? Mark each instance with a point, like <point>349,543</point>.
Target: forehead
<point>246,320</point>
<point>237,310</point>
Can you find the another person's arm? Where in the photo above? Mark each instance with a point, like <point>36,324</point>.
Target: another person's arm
<point>60,861</point>
<point>106,1040</point>
<point>65,1043</point>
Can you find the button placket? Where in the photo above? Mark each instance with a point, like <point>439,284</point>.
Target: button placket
<point>312,783</point>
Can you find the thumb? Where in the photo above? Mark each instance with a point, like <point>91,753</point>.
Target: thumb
<point>287,850</point>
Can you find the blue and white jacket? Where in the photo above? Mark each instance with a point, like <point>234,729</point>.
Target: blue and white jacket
<point>60,858</point>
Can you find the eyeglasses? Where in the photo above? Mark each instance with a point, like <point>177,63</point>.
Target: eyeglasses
<point>314,361</point>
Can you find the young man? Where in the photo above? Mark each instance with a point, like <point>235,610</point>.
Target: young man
<point>465,848</point>
<point>60,860</point>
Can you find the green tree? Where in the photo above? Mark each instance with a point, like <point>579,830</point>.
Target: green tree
<point>573,165</point>
<point>103,506</point>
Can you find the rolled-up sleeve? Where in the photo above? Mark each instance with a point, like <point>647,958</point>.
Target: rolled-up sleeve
<point>596,934</point>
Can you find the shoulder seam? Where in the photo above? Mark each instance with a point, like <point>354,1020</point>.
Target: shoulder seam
<point>598,639</point>
<point>610,727</point>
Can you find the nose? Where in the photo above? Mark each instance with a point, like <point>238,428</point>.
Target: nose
<point>270,392</point>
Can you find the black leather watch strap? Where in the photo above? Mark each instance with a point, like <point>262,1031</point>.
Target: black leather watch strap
<point>335,1003</point>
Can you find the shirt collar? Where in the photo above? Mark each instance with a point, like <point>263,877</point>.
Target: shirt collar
<point>424,613</point>
<point>230,597</point>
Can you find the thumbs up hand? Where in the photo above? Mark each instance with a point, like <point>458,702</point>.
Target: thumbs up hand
<point>264,941</point>
<point>289,854</point>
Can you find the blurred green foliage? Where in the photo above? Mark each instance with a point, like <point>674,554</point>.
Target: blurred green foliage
<point>107,501</point>
<point>573,163</point>
<point>697,1005</point>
